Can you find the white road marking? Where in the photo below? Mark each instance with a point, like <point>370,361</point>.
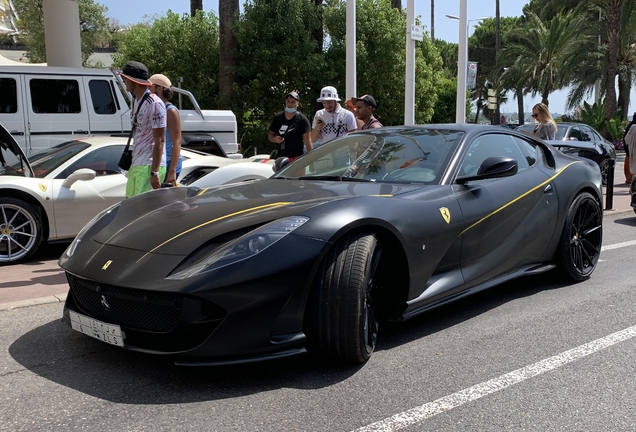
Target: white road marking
<point>431,409</point>
<point>618,245</point>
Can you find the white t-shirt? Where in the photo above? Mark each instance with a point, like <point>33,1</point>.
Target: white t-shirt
<point>337,123</point>
<point>152,115</point>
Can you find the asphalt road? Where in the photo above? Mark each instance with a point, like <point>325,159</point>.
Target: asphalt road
<point>532,355</point>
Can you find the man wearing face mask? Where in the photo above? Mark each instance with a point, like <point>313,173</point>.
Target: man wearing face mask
<point>290,129</point>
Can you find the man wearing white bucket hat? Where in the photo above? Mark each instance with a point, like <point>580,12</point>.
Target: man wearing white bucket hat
<point>333,120</point>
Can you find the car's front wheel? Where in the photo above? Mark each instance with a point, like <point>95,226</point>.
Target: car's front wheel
<point>580,243</point>
<point>20,230</point>
<point>342,321</point>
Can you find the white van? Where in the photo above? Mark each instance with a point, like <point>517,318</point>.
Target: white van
<point>43,106</point>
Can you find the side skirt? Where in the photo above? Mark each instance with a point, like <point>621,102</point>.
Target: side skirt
<point>418,306</point>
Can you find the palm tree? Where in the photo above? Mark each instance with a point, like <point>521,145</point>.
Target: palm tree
<point>594,63</point>
<point>540,56</point>
<point>228,49</point>
<point>195,5</point>
<point>613,13</point>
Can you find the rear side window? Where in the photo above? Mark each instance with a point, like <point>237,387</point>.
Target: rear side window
<point>55,96</point>
<point>9,99</point>
<point>102,97</point>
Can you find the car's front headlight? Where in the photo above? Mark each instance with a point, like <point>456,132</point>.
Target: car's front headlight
<point>244,247</point>
<point>102,219</point>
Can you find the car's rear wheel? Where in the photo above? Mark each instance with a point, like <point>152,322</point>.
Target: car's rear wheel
<point>580,244</point>
<point>20,230</point>
<point>605,163</point>
<point>342,321</point>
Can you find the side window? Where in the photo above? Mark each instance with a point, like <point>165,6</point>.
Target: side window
<point>9,99</point>
<point>102,97</point>
<point>586,134</point>
<point>492,145</point>
<point>103,161</point>
<point>529,151</point>
<point>576,133</point>
<point>55,96</point>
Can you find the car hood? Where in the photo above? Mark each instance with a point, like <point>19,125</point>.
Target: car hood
<point>176,221</point>
<point>9,144</point>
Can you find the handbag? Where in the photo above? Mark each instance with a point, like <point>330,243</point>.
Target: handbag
<point>125,161</point>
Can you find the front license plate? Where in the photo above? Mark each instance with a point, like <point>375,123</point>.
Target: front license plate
<point>109,333</point>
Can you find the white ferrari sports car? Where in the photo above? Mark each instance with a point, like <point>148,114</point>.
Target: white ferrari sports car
<point>52,195</point>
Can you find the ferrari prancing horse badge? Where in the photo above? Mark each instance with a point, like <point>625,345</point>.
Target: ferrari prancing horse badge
<point>445,214</point>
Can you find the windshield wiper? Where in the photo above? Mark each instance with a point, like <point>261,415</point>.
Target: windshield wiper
<point>335,178</point>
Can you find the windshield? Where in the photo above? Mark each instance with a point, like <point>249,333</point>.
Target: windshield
<point>561,130</point>
<point>388,155</point>
<point>44,163</point>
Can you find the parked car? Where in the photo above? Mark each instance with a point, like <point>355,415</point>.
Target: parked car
<point>381,224</point>
<point>52,195</point>
<point>43,106</point>
<point>196,168</point>
<point>593,146</point>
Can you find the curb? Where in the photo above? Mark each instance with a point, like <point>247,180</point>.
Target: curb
<point>59,298</point>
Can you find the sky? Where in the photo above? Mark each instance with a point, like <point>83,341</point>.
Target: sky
<point>131,12</point>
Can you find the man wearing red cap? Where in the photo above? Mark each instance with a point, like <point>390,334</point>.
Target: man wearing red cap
<point>149,129</point>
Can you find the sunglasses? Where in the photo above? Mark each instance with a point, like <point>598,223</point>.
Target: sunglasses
<point>535,115</point>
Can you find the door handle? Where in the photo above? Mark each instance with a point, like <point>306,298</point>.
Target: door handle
<point>15,132</point>
<point>548,189</point>
<point>81,131</point>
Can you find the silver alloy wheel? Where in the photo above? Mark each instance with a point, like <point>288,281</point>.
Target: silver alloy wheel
<point>18,232</point>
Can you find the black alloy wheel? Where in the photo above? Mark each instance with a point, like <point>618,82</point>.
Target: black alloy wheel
<point>342,313</point>
<point>582,237</point>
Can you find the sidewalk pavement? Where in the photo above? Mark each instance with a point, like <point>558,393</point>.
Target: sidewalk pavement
<point>621,198</point>
<point>41,281</point>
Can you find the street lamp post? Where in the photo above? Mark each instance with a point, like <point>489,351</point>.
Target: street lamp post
<point>462,61</point>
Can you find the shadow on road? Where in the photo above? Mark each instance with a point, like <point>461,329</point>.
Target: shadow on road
<point>94,368</point>
<point>109,373</point>
<point>628,221</point>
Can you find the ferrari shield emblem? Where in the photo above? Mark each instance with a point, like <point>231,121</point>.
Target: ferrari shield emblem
<point>42,187</point>
<point>109,262</point>
<point>445,214</point>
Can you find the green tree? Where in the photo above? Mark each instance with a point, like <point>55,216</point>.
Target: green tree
<point>92,21</point>
<point>482,48</point>
<point>448,52</point>
<point>228,48</point>
<point>541,55</point>
<point>283,55</point>
<point>446,102</point>
<point>277,54</point>
<point>381,54</point>
<point>178,46</point>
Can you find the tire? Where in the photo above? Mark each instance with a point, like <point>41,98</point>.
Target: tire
<point>20,230</point>
<point>342,317</point>
<point>605,170</point>
<point>580,244</point>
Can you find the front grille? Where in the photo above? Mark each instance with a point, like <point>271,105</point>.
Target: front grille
<point>143,310</point>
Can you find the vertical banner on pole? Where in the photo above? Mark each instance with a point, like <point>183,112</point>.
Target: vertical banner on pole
<point>472,75</point>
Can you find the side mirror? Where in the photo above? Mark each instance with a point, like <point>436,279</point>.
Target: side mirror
<point>493,167</point>
<point>82,174</point>
<point>280,163</point>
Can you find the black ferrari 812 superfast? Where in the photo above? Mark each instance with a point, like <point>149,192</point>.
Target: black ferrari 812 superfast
<point>377,225</point>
